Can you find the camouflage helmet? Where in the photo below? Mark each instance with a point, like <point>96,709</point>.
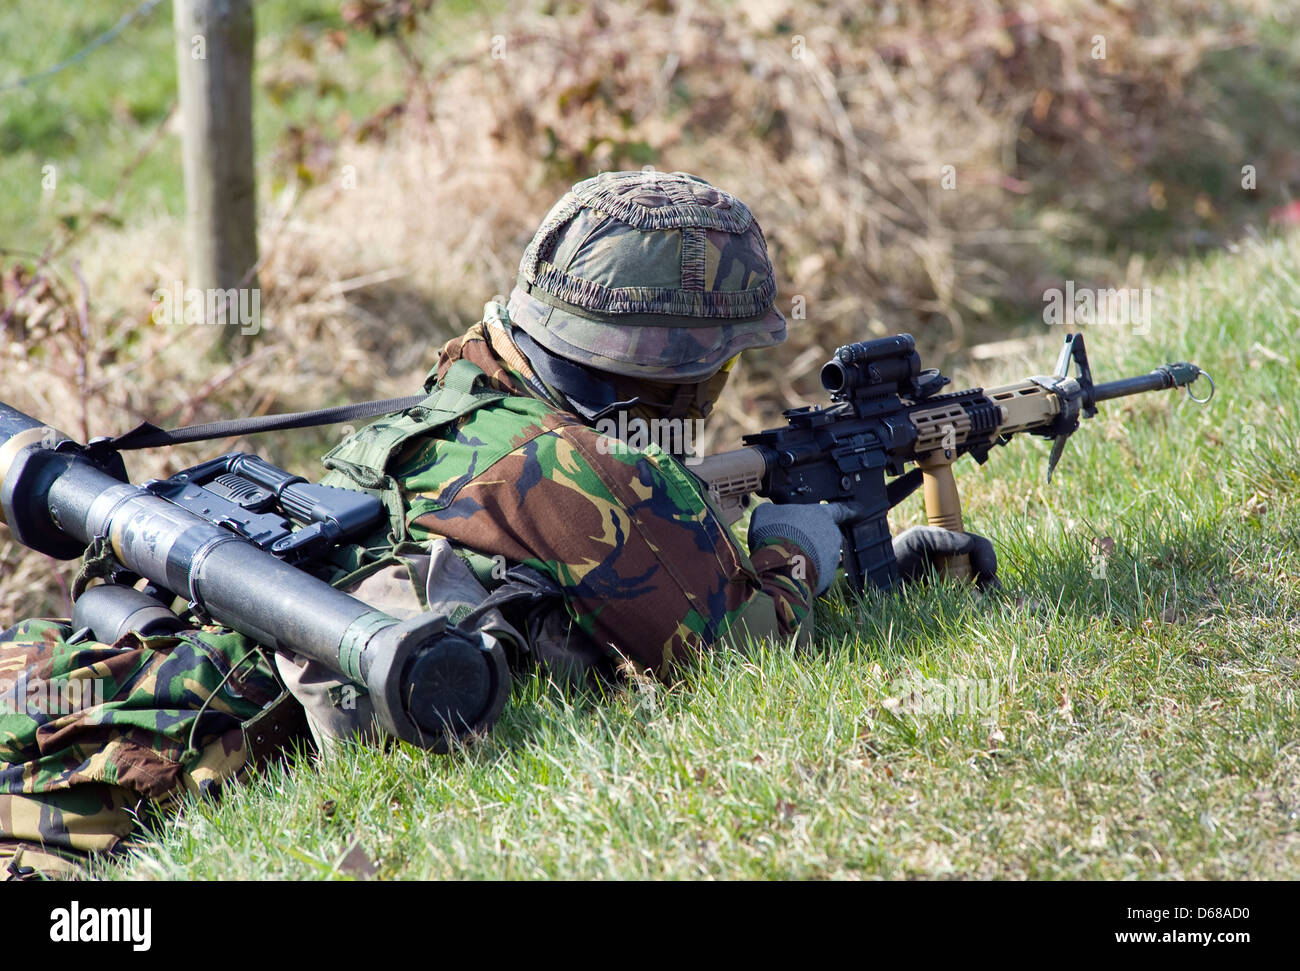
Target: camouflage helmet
<point>648,274</point>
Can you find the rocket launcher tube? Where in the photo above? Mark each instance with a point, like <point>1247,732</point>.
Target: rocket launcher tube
<point>428,681</point>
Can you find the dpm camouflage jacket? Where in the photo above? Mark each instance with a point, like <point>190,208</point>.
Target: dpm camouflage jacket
<point>647,569</point>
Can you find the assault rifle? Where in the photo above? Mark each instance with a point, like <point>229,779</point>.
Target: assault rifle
<point>887,413</point>
<point>232,537</point>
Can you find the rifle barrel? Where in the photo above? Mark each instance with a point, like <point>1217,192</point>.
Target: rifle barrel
<point>1166,376</point>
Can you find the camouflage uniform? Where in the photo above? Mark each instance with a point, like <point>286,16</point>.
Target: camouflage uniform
<point>169,723</point>
<point>647,570</point>
<point>657,279</point>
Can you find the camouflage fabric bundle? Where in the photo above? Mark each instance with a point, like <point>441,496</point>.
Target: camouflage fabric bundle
<point>89,732</point>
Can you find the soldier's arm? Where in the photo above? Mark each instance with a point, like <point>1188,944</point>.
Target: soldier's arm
<point>647,567</point>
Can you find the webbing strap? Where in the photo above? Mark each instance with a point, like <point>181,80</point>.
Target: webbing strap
<point>147,435</point>
<point>455,396</point>
<point>462,376</point>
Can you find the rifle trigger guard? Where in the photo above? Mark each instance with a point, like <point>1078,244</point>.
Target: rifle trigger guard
<point>1201,401</point>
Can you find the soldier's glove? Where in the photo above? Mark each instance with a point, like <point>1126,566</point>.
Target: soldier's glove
<point>916,550</point>
<point>810,526</point>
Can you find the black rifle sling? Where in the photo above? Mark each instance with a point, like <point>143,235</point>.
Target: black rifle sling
<point>147,435</point>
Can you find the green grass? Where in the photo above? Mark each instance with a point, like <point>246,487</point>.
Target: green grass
<point>87,121</point>
<point>1141,723</point>
<point>92,119</point>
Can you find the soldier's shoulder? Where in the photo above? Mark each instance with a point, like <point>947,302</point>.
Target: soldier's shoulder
<point>633,474</point>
